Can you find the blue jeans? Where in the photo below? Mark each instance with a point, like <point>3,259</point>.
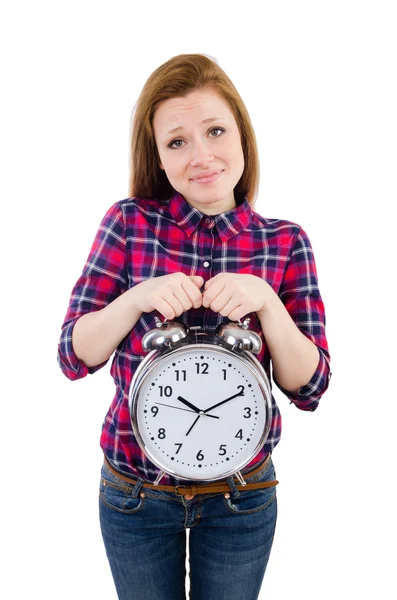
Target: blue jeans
<point>145,539</point>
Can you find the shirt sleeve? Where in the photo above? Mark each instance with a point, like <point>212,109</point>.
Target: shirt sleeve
<point>104,277</point>
<point>300,295</point>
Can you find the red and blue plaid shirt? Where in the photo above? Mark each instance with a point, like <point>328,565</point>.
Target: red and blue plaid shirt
<point>143,238</point>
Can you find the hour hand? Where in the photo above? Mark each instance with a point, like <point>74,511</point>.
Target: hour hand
<point>189,404</point>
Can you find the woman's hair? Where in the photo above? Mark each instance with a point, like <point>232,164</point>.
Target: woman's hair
<point>177,77</point>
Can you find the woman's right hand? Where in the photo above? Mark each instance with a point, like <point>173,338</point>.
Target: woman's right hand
<point>170,295</point>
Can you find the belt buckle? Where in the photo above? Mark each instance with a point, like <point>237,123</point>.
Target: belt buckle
<point>176,489</point>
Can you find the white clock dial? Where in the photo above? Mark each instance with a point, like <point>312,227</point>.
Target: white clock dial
<point>200,412</point>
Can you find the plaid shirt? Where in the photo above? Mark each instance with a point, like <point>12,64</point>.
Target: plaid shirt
<point>143,238</point>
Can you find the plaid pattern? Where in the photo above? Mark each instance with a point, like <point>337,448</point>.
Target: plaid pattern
<point>144,238</point>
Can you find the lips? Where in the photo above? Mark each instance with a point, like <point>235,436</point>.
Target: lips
<point>206,175</point>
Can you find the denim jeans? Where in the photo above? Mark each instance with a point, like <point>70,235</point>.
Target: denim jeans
<point>230,539</point>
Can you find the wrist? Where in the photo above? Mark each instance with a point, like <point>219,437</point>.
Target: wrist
<point>135,295</point>
<point>269,304</point>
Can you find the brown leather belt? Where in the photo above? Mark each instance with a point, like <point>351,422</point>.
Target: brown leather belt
<point>205,488</point>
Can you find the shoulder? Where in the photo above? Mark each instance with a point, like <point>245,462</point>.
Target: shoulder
<point>278,228</point>
<point>128,210</point>
<point>130,207</point>
<point>142,204</point>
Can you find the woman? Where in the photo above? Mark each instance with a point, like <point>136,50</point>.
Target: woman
<point>187,245</point>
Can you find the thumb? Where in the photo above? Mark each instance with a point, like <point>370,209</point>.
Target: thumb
<point>198,280</point>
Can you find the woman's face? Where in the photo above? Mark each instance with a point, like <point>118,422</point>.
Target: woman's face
<point>199,148</point>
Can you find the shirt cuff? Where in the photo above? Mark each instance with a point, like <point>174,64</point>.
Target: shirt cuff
<point>72,366</point>
<point>308,396</point>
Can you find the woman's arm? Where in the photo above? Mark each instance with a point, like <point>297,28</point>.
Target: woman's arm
<point>96,335</point>
<point>293,324</point>
<point>104,279</point>
<point>295,358</point>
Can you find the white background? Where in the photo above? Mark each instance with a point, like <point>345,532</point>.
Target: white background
<point>319,82</point>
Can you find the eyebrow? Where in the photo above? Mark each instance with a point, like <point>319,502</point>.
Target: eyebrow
<point>209,120</point>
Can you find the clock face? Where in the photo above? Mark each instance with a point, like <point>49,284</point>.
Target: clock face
<point>201,412</point>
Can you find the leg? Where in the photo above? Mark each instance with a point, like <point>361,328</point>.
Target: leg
<point>230,547</point>
<point>145,541</point>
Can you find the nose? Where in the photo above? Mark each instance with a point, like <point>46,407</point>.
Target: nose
<point>201,155</point>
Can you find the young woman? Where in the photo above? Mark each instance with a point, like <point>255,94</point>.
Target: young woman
<point>187,245</point>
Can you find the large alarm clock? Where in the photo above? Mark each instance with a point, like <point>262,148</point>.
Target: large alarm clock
<point>200,402</point>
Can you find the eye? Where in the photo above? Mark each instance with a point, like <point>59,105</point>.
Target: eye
<point>217,129</point>
<point>171,144</point>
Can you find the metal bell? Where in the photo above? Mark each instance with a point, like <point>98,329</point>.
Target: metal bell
<point>238,335</point>
<point>165,334</point>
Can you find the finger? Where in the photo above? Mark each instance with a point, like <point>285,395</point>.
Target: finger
<point>175,295</point>
<point>165,309</point>
<point>208,284</point>
<point>237,313</point>
<point>197,280</point>
<point>222,300</point>
<point>193,293</point>
<point>221,277</point>
<point>178,300</point>
<point>210,295</point>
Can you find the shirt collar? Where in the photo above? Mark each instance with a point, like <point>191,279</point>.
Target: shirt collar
<point>228,224</point>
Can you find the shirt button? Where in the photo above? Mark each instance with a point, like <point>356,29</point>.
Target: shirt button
<point>208,221</point>
<point>206,264</point>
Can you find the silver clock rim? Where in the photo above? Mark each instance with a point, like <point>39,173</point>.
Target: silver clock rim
<point>154,360</point>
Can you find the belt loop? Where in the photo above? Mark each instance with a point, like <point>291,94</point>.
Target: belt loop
<point>232,485</point>
<point>137,487</point>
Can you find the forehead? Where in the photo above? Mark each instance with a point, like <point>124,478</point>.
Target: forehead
<point>195,105</point>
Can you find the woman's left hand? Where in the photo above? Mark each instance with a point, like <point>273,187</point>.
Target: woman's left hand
<point>234,295</point>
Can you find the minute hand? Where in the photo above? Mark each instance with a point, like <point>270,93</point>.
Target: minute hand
<point>223,401</point>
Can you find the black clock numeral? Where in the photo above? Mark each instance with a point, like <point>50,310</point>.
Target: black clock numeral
<point>204,366</point>
<point>199,455</point>
<point>155,410</point>
<point>242,388</point>
<point>224,374</point>
<point>249,412</point>
<point>161,434</point>
<point>177,374</point>
<point>167,390</point>
<point>239,434</point>
<point>180,446</point>
<point>222,447</point>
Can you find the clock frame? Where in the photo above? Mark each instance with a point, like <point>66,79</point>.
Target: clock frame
<point>200,403</point>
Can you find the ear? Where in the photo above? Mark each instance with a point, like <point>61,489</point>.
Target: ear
<point>161,166</point>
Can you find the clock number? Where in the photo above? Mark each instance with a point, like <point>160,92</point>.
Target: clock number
<point>224,374</point>
<point>239,434</point>
<point>249,412</point>
<point>180,446</point>
<point>177,375</point>
<point>242,388</point>
<point>205,371</point>
<point>199,455</point>
<point>223,448</point>
<point>161,434</point>
<point>155,410</point>
<point>167,390</point>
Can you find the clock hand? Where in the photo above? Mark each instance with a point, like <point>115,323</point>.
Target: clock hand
<point>176,407</point>
<point>197,410</point>
<point>187,410</point>
<point>198,416</point>
<point>223,401</point>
